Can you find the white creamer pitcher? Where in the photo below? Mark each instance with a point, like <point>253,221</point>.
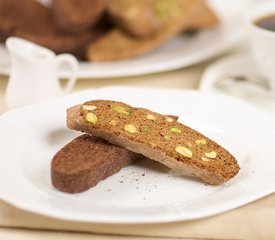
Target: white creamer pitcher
<point>34,73</point>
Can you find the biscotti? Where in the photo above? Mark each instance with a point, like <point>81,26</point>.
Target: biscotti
<point>155,136</point>
<point>206,19</point>
<point>75,16</point>
<point>31,20</point>
<point>127,16</point>
<point>135,17</point>
<point>117,44</point>
<point>85,161</point>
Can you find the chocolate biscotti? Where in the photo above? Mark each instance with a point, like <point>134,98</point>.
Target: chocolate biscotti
<point>75,16</point>
<point>85,161</point>
<point>32,21</point>
<point>157,137</point>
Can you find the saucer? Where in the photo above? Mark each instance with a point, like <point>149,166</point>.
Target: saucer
<point>239,76</point>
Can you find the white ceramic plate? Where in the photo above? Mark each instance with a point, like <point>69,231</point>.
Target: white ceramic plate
<point>146,192</point>
<point>180,52</point>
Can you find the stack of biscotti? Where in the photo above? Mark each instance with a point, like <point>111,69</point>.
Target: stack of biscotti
<point>155,136</point>
<point>31,20</point>
<point>86,160</point>
<point>101,30</point>
<point>117,44</point>
<point>144,25</point>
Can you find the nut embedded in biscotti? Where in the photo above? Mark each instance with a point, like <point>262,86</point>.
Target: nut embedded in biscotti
<point>169,119</point>
<point>146,128</point>
<point>175,130</point>
<point>184,151</point>
<point>166,9</point>
<point>211,154</point>
<point>88,107</point>
<point>201,141</point>
<point>151,117</point>
<point>131,128</point>
<point>167,137</point>
<point>113,123</point>
<point>91,118</point>
<point>121,109</point>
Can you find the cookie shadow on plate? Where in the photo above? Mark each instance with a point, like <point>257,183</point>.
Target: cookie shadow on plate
<point>61,136</point>
<point>153,166</point>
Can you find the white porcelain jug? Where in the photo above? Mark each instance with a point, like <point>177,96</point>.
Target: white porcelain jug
<point>34,73</point>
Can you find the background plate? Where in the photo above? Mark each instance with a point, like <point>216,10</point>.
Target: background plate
<point>180,52</point>
<point>146,192</point>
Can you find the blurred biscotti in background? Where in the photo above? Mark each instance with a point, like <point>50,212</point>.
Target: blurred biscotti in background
<point>103,30</point>
<point>206,19</point>
<point>34,22</point>
<point>136,17</point>
<point>143,18</point>
<point>118,44</point>
<point>77,15</point>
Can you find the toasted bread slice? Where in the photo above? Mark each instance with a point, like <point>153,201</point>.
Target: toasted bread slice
<point>156,137</point>
<point>119,45</point>
<point>85,161</point>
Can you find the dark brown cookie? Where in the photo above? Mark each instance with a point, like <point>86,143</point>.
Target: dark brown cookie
<point>85,161</point>
<point>77,15</point>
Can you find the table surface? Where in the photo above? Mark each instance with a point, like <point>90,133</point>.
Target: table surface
<point>253,221</point>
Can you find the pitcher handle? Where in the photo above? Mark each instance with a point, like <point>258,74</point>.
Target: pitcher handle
<point>71,61</point>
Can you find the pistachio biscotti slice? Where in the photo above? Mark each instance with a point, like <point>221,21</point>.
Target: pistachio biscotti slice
<point>155,136</point>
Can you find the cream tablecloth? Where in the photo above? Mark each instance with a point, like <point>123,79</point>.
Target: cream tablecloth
<point>253,221</point>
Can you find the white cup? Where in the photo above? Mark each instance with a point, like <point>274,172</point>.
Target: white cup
<point>262,40</point>
<point>34,73</point>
